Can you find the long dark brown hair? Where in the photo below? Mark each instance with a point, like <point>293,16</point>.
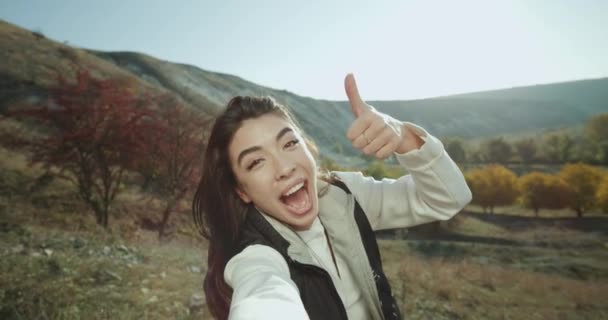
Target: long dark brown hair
<point>217,209</point>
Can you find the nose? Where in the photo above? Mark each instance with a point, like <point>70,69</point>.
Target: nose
<point>284,168</point>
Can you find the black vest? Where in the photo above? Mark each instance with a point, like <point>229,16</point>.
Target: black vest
<point>318,293</point>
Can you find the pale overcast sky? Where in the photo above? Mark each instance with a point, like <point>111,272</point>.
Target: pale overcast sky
<point>398,49</point>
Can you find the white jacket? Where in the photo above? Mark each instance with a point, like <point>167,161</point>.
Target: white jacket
<point>434,189</point>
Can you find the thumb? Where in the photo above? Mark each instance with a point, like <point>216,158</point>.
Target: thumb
<point>357,104</point>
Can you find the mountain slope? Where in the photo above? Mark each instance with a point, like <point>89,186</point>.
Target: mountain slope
<point>30,63</point>
<point>532,109</point>
<point>325,121</point>
<point>483,114</point>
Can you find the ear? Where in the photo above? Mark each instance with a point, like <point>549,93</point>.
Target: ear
<point>242,195</point>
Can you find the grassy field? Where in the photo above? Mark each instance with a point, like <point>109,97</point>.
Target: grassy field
<point>56,264</point>
<point>480,270</point>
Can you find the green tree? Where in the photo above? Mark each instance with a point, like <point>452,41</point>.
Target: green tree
<point>585,150</point>
<point>526,150</point>
<point>558,148</point>
<point>597,127</point>
<point>597,131</point>
<point>496,150</point>
<point>602,155</point>
<point>474,156</point>
<point>455,148</point>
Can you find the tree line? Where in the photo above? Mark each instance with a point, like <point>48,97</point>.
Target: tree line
<point>579,187</point>
<point>552,148</point>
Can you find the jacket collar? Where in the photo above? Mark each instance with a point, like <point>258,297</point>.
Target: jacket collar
<point>333,209</point>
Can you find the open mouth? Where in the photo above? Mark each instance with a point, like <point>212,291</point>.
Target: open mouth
<point>297,198</point>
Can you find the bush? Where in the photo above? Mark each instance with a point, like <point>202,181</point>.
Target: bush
<point>37,33</point>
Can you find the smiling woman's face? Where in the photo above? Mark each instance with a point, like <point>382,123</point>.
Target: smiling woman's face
<point>275,170</point>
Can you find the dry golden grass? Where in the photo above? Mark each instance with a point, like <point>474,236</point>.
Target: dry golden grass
<point>160,286</point>
<point>555,236</point>
<point>543,213</point>
<point>473,284</point>
<point>16,161</point>
<point>462,289</point>
<point>467,225</point>
<point>103,278</point>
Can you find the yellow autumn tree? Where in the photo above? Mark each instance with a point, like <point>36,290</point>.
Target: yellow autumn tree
<point>602,194</point>
<point>543,191</point>
<point>492,186</point>
<point>583,181</point>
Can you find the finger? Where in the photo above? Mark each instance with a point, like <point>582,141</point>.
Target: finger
<point>359,126</point>
<point>386,150</point>
<point>375,128</point>
<point>377,142</point>
<point>357,104</point>
<point>360,142</point>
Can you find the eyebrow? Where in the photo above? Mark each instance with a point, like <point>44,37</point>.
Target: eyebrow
<point>247,151</point>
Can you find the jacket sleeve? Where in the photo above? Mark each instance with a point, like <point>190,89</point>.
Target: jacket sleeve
<point>262,286</point>
<point>434,188</point>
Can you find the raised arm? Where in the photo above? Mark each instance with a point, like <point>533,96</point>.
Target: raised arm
<point>434,189</point>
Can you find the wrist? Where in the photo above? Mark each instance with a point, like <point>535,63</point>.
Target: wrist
<point>409,140</point>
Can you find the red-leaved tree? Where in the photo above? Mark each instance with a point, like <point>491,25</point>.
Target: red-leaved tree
<point>175,147</point>
<point>93,133</point>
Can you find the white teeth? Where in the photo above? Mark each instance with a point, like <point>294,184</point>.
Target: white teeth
<point>294,189</point>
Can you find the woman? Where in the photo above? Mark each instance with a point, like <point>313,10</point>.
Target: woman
<point>287,242</point>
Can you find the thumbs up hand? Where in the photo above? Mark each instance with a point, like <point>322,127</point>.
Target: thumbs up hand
<point>376,133</point>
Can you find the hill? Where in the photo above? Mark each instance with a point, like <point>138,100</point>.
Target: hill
<point>326,121</point>
<point>30,63</point>
<point>508,111</point>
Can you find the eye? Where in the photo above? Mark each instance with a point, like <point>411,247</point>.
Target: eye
<point>292,143</point>
<point>254,164</point>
